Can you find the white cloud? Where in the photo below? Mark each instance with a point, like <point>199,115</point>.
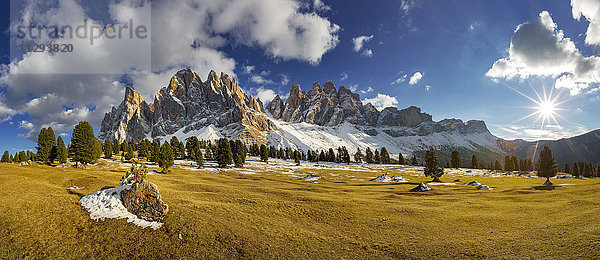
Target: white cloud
<point>414,79</point>
<point>381,101</point>
<point>428,87</point>
<point>369,89</point>
<point>590,9</point>
<point>26,125</point>
<point>367,53</point>
<point>344,76</point>
<point>248,69</point>
<point>539,48</point>
<point>406,5</point>
<point>260,80</point>
<point>284,79</point>
<point>399,80</point>
<point>360,41</point>
<point>265,94</point>
<point>318,5</point>
<point>533,133</point>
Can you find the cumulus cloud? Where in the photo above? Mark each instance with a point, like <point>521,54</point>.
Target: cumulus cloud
<point>318,5</point>
<point>265,94</point>
<point>360,41</point>
<point>260,80</point>
<point>367,53</point>
<point>248,69</point>
<point>539,48</point>
<point>192,35</point>
<point>381,101</point>
<point>415,78</point>
<point>369,89</point>
<point>26,125</point>
<point>285,79</point>
<point>428,87</point>
<point>590,10</point>
<point>399,80</point>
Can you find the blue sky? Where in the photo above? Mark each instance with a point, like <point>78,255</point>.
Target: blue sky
<point>452,44</point>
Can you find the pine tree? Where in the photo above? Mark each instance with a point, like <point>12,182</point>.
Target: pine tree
<point>455,159</point>
<point>239,153</point>
<point>5,157</point>
<point>84,147</point>
<point>46,144</point>
<point>385,157</point>
<point>401,159</point>
<point>116,146</point>
<point>155,150</point>
<point>297,157</point>
<point>376,157</point>
<point>567,168</point>
<point>508,164</point>
<point>143,149</point>
<point>414,160</point>
<point>431,165</point>
<point>107,148</point>
<point>598,169</point>
<point>358,156</point>
<point>224,155</point>
<point>575,171</point>
<point>546,166</point>
<point>368,155</point>
<point>264,153</point>
<point>11,159</point>
<point>198,156</point>
<point>165,158</point>
<point>124,148</point>
<point>346,155</point>
<point>175,147</point>
<point>61,150</point>
<point>474,162</point>
<point>514,163</point>
<point>128,153</point>
<point>23,155</point>
<point>497,166</point>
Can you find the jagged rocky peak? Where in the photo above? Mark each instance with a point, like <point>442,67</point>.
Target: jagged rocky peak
<point>187,104</point>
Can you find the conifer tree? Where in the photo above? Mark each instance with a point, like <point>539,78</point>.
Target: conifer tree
<point>401,159</point>
<point>358,156</point>
<point>128,153</point>
<point>455,159</point>
<point>508,164</point>
<point>107,149</point>
<point>165,158</point>
<point>46,144</point>
<point>224,155</point>
<point>198,156</point>
<point>5,157</point>
<point>155,150</point>
<point>497,166</point>
<point>385,157</point>
<point>61,150</point>
<point>414,160</point>
<point>84,147</point>
<point>546,166</point>
<point>514,163</point>
<point>239,153</point>
<point>143,149</point>
<point>474,162</point>
<point>567,168</point>
<point>264,153</point>
<point>598,169</point>
<point>297,157</point>
<point>23,155</point>
<point>431,165</point>
<point>175,147</point>
<point>345,157</point>
<point>575,171</point>
<point>124,148</point>
<point>376,157</point>
<point>116,146</point>
<point>11,159</point>
<point>368,155</point>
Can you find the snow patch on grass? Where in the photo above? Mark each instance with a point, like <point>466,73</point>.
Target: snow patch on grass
<point>107,203</point>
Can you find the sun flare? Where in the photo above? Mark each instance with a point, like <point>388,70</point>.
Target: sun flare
<point>547,109</point>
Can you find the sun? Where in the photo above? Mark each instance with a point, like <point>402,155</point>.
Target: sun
<point>547,109</point>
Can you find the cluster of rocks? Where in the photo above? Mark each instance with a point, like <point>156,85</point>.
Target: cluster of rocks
<point>143,200</point>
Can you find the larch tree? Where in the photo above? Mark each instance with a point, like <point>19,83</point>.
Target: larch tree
<point>166,158</point>
<point>107,149</point>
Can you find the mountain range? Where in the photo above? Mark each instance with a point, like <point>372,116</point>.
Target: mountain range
<point>322,118</point>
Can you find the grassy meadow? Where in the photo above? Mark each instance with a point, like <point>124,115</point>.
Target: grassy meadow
<point>268,212</point>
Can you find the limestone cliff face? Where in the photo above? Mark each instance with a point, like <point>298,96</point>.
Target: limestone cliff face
<point>188,104</point>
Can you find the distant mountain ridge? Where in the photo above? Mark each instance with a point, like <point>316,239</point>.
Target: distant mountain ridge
<point>322,118</point>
